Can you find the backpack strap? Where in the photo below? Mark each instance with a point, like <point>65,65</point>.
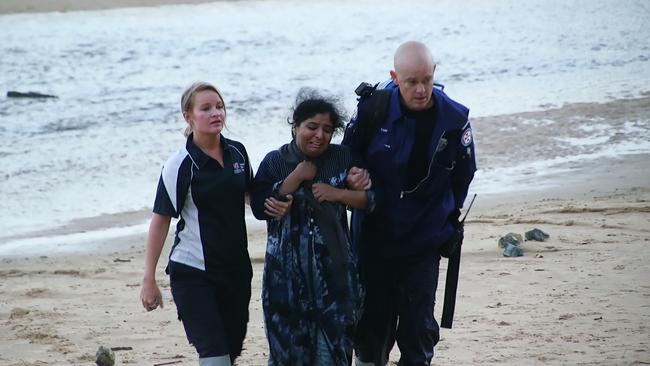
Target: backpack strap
<point>372,110</point>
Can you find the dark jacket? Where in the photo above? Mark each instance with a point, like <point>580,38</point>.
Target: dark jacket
<point>411,220</point>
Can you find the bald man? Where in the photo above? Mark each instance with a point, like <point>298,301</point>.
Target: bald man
<point>421,161</point>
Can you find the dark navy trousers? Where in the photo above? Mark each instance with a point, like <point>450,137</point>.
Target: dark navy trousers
<point>214,313</point>
<point>399,304</point>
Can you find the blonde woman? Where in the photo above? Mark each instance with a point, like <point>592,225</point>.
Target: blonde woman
<point>205,184</point>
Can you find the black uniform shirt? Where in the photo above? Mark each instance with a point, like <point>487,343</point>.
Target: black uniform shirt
<point>425,122</point>
<point>209,198</point>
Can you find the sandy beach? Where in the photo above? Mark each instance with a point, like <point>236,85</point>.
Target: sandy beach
<point>582,297</point>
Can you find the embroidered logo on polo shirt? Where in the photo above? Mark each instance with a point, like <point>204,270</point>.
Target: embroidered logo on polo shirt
<point>238,168</point>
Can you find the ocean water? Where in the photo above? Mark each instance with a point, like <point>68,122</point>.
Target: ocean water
<point>118,74</point>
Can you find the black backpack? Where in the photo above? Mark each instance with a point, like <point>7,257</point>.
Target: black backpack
<point>372,109</point>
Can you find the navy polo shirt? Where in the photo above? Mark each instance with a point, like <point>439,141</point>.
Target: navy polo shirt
<point>209,198</point>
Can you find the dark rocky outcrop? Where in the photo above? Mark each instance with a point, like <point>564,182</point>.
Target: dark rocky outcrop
<point>31,94</point>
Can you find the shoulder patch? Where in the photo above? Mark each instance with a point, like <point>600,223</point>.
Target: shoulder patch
<point>466,139</point>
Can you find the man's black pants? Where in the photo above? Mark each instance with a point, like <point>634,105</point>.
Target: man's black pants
<point>399,303</point>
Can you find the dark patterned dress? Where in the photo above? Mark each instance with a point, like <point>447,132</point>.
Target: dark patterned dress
<point>311,293</point>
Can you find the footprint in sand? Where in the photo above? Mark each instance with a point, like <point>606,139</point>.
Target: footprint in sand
<point>37,292</point>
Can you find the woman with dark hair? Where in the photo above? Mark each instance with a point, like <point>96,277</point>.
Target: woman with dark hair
<point>311,294</point>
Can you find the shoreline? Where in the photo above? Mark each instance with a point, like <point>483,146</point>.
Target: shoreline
<point>520,154</point>
<point>627,172</point>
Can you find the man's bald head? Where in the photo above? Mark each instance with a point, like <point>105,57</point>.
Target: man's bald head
<point>412,53</point>
<point>413,74</point>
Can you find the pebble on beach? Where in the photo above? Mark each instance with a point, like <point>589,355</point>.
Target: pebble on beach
<point>510,238</point>
<point>105,357</point>
<point>512,250</point>
<point>510,244</point>
<point>536,234</point>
